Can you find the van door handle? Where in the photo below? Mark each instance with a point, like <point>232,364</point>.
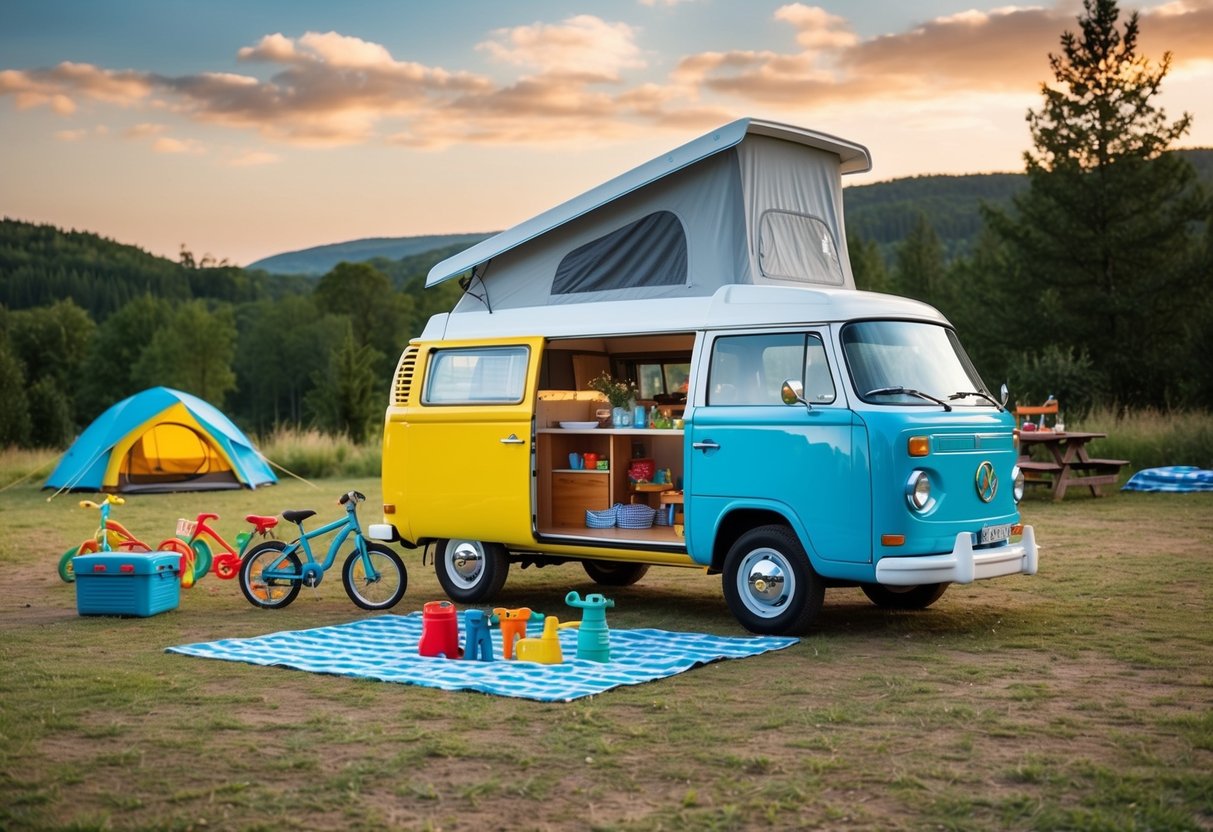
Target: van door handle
<point>513,439</point>
<point>705,446</point>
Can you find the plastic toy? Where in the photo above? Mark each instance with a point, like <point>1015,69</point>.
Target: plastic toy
<point>226,564</point>
<point>513,626</point>
<point>439,631</point>
<point>546,648</point>
<point>272,572</point>
<point>593,637</point>
<point>110,536</point>
<point>479,644</point>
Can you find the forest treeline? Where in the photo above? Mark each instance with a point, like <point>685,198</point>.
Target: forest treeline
<point>86,322</point>
<point>1089,278</point>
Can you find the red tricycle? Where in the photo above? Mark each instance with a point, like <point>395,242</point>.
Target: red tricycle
<point>191,543</point>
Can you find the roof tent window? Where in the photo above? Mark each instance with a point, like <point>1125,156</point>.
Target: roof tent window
<point>798,247</point>
<point>651,251</point>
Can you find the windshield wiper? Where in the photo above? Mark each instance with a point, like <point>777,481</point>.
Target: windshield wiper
<point>883,391</point>
<point>964,394</point>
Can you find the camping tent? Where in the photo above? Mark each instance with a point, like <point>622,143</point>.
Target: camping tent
<point>753,202</point>
<point>161,440</point>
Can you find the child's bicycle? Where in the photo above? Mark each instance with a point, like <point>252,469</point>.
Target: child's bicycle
<point>273,571</point>
<point>110,536</point>
<point>191,541</point>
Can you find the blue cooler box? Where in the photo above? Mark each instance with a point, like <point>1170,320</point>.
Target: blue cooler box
<point>127,583</point>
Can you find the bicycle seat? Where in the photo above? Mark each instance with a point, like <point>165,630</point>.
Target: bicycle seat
<point>261,523</point>
<point>298,516</point>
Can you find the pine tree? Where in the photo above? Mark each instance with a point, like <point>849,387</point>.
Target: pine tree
<point>1101,242</point>
<point>919,268</point>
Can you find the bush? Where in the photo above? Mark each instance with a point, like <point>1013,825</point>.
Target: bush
<point>1071,378</point>
<point>310,453</point>
<point>1151,438</point>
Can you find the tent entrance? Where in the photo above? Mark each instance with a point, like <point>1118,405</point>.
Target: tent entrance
<point>168,454</point>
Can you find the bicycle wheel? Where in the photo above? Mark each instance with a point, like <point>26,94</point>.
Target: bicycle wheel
<point>188,564</point>
<point>269,593</point>
<point>202,562</point>
<point>227,566</point>
<point>66,572</point>
<point>386,588</point>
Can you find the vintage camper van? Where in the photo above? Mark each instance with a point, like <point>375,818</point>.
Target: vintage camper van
<point>808,435</point>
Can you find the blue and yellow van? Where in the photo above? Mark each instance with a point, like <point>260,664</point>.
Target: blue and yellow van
<point>808,435</point>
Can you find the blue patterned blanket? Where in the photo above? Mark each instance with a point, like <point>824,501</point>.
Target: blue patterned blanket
<point>1172,478</point>
<point>385,648</point>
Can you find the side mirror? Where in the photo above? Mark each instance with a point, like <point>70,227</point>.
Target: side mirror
<point>792,392</point>
<point>1004,394</point>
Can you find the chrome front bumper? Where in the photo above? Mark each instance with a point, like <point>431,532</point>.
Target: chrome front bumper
<point>963,564</point>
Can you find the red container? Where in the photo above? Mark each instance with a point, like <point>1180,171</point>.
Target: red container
<point>439,630</point>
<point>642,470</point>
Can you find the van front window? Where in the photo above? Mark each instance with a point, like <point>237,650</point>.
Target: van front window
<point>906,362</point>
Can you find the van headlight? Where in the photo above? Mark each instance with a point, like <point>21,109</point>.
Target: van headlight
<point>1017,483</point>
<point>918,491</point>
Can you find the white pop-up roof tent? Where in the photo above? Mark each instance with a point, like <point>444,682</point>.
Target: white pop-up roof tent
<point>753,202</point>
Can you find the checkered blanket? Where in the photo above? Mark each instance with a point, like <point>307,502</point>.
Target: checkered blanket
<point>1172,478</point>
<point>385,648</point>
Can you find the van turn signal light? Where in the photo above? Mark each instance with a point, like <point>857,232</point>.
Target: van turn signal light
<point>919,445</point>
<point>389,508</point>
<point>892,540</point>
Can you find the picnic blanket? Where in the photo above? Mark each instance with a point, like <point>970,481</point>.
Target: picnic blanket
<point>1171,478</point>
<point>385,648</point>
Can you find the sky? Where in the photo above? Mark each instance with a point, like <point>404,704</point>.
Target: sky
<point>241,129</point>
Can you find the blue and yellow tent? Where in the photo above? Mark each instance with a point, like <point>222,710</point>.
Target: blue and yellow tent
<point>161,440</point>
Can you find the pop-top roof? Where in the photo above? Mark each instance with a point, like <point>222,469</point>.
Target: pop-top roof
<point>853,158</point>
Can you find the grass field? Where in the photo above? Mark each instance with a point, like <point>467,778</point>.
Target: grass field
<point>1081,698</point>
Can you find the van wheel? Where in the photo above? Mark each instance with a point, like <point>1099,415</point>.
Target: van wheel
<point>471,571</point>
<point>768,582</point>
<point>903,597</point>
<point>609,573</point>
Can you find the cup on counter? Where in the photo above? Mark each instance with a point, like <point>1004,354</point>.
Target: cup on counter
<point>576,462</point>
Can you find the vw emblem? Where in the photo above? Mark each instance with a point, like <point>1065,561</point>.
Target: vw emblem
<point>986,481</point>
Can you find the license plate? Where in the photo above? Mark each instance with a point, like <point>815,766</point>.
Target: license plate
<point>994,534</point>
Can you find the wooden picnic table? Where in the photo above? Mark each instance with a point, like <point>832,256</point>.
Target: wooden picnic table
<point>1067,463</point>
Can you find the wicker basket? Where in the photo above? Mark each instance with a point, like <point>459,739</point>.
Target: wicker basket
<point>636,516</point>
<point>604,519</point>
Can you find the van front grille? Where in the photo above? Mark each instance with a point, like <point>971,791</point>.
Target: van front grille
<point>404,376</point>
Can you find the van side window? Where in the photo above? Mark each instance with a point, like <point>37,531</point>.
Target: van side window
<point>751,369</point>
<point>477,375</point>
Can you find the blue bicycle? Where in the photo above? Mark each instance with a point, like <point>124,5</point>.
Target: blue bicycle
<point>273,572</point>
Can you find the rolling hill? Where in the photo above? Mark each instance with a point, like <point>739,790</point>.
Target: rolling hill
<point>318,260</point>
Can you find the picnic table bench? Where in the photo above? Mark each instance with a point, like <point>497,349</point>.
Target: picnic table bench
<point>1068,463</point>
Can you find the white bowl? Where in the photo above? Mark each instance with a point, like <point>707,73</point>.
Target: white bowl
<point>578,425</point>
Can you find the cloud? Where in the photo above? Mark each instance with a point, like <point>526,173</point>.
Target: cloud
<point>581,46</point>
<point>59,86</point>
<point>252,158</point>
<point>167,144</point>
<point>574,79</point>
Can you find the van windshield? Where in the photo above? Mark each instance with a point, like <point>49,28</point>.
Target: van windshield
<point>908,362</point>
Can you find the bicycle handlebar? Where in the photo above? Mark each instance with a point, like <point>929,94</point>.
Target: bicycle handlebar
<point>356,496</point>
<point>88,504</point>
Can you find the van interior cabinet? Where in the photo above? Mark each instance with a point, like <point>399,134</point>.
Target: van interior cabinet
<point>564,493</point>
<point>575,491</point>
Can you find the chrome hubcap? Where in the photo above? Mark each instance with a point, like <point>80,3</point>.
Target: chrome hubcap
<point>466,562</point>
<point>766,583</point>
